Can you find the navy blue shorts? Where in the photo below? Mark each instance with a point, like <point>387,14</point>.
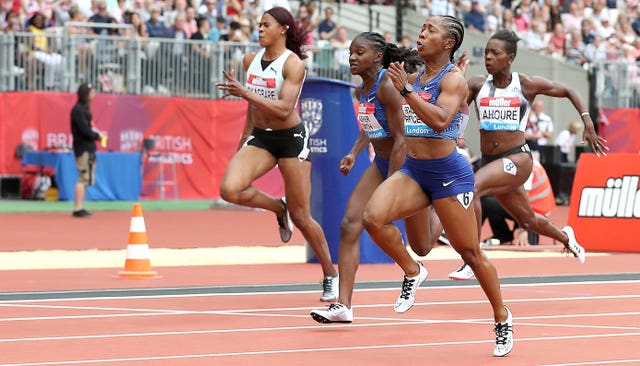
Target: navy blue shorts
<point>383,166</point>
<point>286,143</point>
<point>443,177</point>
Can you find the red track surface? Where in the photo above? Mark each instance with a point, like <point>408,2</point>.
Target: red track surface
<point>555,323</point>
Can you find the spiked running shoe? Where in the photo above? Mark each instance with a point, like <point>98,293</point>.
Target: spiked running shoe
<point>463,273</point>
<point>504,336</point>
<point>576,249</point>
<point>409,287</point>
<point>336,313</point>
<point>330,288</point>
<point>285,226</point>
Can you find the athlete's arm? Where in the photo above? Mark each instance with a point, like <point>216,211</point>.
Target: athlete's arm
<point>533,86</point>
<point>392,101</point>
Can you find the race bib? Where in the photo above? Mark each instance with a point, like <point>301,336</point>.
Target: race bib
<point>499,114</point>
<point>413,126</point>
<point>369,123</point>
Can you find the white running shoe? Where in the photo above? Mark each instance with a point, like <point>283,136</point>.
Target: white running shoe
<point>576,249</point>
<point>409,287</point>
<point>463,273</point>
<point>330,288</point>
<point>285,226</point>
<point>336,313</point>
<point>504,336</point>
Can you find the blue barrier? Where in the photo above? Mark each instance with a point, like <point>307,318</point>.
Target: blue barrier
<point>327,109</point>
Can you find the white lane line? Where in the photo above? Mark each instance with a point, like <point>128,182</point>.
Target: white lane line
<point>309,350</point>
<point>605,362</point>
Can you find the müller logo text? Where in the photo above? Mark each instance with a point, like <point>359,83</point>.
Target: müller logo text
<point>620,198</point>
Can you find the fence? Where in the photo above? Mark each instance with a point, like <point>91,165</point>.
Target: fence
<point>617,84</point>
<point>60,60</point>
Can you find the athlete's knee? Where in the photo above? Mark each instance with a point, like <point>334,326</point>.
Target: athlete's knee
<point>421,248</point>
<point>471,256</point>
<point>350,226</point>
<point>372,220</point>
<point>229,193</point>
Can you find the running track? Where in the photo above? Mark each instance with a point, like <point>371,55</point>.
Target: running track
<point>564,314</point>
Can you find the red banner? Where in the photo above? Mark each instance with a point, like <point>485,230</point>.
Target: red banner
<point>193,138</point>
<point>605,202</point>
<point>621,128</point>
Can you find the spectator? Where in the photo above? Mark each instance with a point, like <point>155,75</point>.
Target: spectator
<point>443,7</point>
<point>635,24</point>
<point>190,23</point>
<point>200,64</point>
<point>596,50</point>
<point>534,39</point>
<point>605,30</point>
<point>101,16</point>
<point>209,11</point>
<point>543,122</point>
<point>218,30</point>
<point>566,140</point>
<point>155,26</point>
<point>557,41</point>
<point>575,49</point>
<point>521,20</point>
<point>12,23</point>
<point>571,20</point>
<point>327,28</point>
<point>494,19</point>
<point>265,5</point>
<point>388,37</point>
<point>508,21</point>
<point>586,31</point>
<point>474,19</point>
<point>341,45</point>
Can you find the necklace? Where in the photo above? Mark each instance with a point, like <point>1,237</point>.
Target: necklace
<point>436,70</point>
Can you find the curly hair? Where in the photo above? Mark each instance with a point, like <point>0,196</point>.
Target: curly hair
<point>297,32</point>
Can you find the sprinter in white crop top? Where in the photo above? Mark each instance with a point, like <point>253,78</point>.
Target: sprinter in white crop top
<point>274,135</point>
<point>502,102</point>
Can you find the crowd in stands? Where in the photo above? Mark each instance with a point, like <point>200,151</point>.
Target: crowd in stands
<point>579,31</point>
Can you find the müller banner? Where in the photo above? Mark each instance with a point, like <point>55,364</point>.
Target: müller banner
<point>605,202</point>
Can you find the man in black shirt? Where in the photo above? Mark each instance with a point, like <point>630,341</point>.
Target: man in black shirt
<point>84,146</point>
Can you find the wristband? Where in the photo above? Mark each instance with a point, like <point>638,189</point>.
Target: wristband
<point>584,114</point>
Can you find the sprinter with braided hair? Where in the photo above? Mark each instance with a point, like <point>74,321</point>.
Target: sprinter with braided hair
<point>434,172</point>
<point>380,113</point>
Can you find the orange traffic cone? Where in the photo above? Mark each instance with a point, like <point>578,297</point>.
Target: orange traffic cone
<point>138,262</point>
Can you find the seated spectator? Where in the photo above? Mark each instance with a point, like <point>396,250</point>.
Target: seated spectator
<point>586,31</point>
<point>557,41</point>
<point>341,44</point>
<point>209,11</point>
<point>474,18</point>
<point>571,20</point>
<point>101,16</point>
<point>494,18</point>
<point>327,28</point>
<point>575,49</point>
<point>596,50</point>
<point>521,20</point>
<point>155,26</point>
<point>534,39</point>
<point>219,29</point>
<point>190,23</point>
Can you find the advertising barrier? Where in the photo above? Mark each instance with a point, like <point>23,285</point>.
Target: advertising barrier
<point>605,202</point>
<point>327,109</point>
<point>194,139</point>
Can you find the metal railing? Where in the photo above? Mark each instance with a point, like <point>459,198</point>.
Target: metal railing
<point>59,60</point>
<point>617,84</point>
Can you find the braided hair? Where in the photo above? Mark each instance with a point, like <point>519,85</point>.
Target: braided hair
<point>297,32</point>
<point>509,37</point>
<point>456,31</point>
<point>392,53</point>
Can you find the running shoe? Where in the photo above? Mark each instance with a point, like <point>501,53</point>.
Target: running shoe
<point>81,213</point>
<point>285,226</point>
<point>409,287</point>
<point>463,273</point>
<point>504,336</point>
<point>576,249</point>
<point>330,288</point>
<point>336,313</point>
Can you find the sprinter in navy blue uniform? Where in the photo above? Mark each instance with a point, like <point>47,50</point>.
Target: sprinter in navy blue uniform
<point>381,117</point>
<point>434,172</point>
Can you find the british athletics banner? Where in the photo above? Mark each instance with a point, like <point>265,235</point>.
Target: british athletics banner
<point>605,202</point>
<point>197,137</point>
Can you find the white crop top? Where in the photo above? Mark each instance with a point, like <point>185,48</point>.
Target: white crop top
<point>504,109</point>
<point>266,83</point>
